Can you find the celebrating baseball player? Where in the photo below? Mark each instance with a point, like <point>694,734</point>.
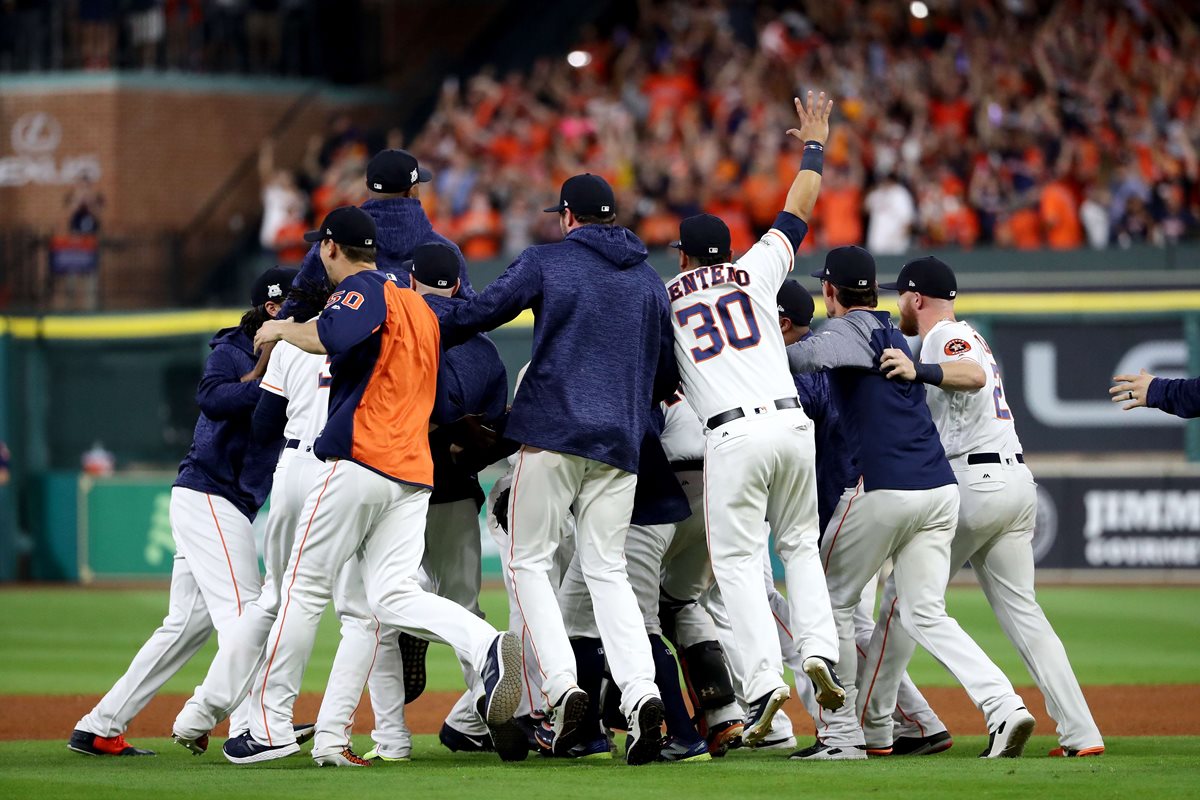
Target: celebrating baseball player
<point>222,483</point>
<point>998,505</point>
<point>370,501</point>
<point>905,506</point>
<point>759,452</point>
<point>581,416</point>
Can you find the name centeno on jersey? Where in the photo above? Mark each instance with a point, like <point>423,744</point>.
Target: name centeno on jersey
<point>704,277</point>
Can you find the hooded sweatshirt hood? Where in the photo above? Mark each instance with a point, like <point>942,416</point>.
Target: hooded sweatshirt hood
<point>614,243</point>
<point>233,337</point>
<point>399,221</point>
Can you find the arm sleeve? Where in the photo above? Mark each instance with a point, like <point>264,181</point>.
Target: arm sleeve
<point>465,290</point>
<point>448,404</point>
<point>838,344</point>
<point>222,394</point>
<point>311,277</point>
<point>810,388</point>
<point>343,324</point>
<point>666,374</point>
<point>270,417</point>
<point>1179,396</point>
<point>517,288</point>
<point>774,255</point>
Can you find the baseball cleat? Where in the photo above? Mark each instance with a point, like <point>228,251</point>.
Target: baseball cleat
<point>645,731</point>
<point>509,741</point>
<point>592,750</point>
<point>780,743</point>
<point>922,745</point>
<point>345,758</point>
<point>197,746</point>
<point>820,751</point>
<point>92,745</point>
<point>1066,752</point>
<point>564,720</point>
<point>878,752</point>
<point>501,675</point>
<point>304,731</point>
<point>679,752</point>
<point>830,693</point>
<point>397,755</point>
<point>412,654</point>
<point>762,711</point>
<point>245,749</point>
<point>529,724</point>
<point>456,741</point>
<point>1008,740</point>
<point>725,736</point>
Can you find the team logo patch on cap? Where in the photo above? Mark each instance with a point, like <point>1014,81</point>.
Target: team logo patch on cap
<point>274,290</point>
<point>712,251</point>
<point>956,347</point>
<point>413,176</point>
<point>378,186</point>
<point>369,242</point>
<point>604,209</point>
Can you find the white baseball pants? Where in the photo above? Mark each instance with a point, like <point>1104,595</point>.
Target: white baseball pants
<point>995,532</point>
<point>758,468</point>
<point>213,578</point>
<point>914,529</point>
<point>546,485</point>
<point>353,511</point>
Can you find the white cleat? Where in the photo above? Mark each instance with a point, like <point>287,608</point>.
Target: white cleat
<point>1009,740</point>
<point>830,694</point>
<point>345,758</point>
<point>824,752</point>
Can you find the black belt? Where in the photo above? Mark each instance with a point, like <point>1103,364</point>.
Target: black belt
<point>688,465</point>
<point>292,444</point>
<point>736,413</point>
<point>991,458</point>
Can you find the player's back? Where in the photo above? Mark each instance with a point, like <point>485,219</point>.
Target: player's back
<point>303,380</point>
<point>969,422</point>
<point>728,345</point>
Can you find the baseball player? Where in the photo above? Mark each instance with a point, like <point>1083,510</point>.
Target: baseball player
<point>581,416</point>
<point>921,731</point>
<point>904,506</point>
<point>471,404</point>
<point>394,181</point>
<point>758,461</point>
<point>294,407</point>
<point>222,483</point>
<point>998,505</point>
<point>371,500</point>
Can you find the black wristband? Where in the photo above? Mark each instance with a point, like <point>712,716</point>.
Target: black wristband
<point>929,373</point>
<point>814,157</point>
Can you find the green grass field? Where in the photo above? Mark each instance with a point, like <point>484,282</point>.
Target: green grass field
<point>74,641</point>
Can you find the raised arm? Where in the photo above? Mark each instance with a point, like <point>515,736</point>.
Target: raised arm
<point>517,289</point>
<point>813,131</point>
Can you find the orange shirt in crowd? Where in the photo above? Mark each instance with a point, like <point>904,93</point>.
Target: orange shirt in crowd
<point>764,197</point>
<point>659,229</point>
<point>951,115</point>
<point>1025,229</point>
<point>290,247</point>
<point>741,231</point>
<point>840,214</point>
<point>1059,217</point>
<point>478,234</point>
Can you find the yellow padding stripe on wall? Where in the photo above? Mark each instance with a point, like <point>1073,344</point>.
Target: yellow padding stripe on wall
<point>191,323</point>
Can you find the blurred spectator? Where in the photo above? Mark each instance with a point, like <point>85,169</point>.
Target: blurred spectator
<point>185,33</point>
<point>98,29</point>
<point>284,221</point>
<point>1135,226</point>
<point>1059,216</point>
<point>263,30</point>
<point>478,230</point>
<point>891,214</point>
<point>1094,216</point>
<point>5,464</point>
<point>227,37</point>
<point>147,29</point>
<point>75,255</point>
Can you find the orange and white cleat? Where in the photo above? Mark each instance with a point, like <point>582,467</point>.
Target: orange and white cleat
<point>1066,752</point>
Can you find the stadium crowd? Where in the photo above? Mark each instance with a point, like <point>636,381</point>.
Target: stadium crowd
<point>1015,124</point>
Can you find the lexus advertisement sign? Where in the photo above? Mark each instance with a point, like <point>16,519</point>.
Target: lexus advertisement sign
<point>1118,522</point>
<point>1057,375</point>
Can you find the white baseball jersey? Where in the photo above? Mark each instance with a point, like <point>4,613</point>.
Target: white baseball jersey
<point>683,434</point>
<point>292,374</point>
<point>968,422</point>
<point>727,340</point>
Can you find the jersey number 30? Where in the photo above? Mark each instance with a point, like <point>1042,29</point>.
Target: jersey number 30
<point>728,332</point>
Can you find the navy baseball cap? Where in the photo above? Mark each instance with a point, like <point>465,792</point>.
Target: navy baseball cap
<point>586,194</point>
<point>434,264</point>
<point>795,303</point>
<point>929,276</point>
<point>272,285</point>
<point>395,171</point>
<point>348,225</point>
<point>849,267</point>
<point>703,235</point>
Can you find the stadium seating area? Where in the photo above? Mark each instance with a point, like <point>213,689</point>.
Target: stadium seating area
<point>1016,124</point>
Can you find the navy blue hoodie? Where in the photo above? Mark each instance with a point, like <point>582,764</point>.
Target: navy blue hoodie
<point>401,227</point>
<point>835,473</point>
<point>603,347</point>
<point>223,459</point>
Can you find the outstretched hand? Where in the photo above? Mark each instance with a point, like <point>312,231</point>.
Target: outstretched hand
<point>814,118</point>
<point>1131,389</point>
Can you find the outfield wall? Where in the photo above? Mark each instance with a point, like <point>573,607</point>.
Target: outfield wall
<point>128,381</point>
